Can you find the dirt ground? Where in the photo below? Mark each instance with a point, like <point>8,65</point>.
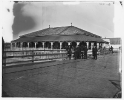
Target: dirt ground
<point>69,78</point>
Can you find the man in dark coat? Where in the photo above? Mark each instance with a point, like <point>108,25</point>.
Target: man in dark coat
<point>95,52</point>
<point>69,52</point>
<point>85,52</point>
<point>82,51</point>
<point>111,49</point>
<point>75,53</point>
<point>78,52</point>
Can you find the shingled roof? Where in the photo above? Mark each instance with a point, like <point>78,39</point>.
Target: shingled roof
<point>58,38</point>
<point>66,33</point>
<point>66,30</point>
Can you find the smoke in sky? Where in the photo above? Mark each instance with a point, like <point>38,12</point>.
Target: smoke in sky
<point>20,18</point>
<point>32,16</point>
<point>21,22</point>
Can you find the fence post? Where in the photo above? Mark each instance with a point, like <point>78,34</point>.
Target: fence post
<point>32,56</point>
<point>3,54</point>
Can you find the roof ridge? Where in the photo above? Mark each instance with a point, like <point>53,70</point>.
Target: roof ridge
<point>64,29</point>
<point>58,27</point>
<point>42,30</point>
<point>55,28</point>
<point>88,32</point>
<point>33,32</point>
<point>60,30</point>
<point>81,30</point>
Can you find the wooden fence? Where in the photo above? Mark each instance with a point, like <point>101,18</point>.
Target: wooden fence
<point>11,58</point>
<point>20,57</point>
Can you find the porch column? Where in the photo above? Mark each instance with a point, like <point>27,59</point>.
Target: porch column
<point>35,44</point>
<point>77,43</point>
<point>60,46</point>
<point>28,44</point>
<point>43,44</point>
<point>69,43</point>
<point>15,44</point>
<point>97,45</point>
<point>21,45</point>
<point>11,46</point>
<point>51,45</point>
<point>92,45</point>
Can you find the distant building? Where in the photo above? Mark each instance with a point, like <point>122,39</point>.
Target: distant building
<point>58,38</point>
<point>114,42</point>
<point>7,46</point>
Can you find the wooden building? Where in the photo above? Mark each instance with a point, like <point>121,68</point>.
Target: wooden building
<point>57,38</point>
<point>114,42</point>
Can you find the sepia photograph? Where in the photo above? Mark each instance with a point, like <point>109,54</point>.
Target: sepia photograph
<point>61,49</point>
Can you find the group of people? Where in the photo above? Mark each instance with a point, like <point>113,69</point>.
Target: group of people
<point>80,52</point>
<point>94,52</point>
<point>111,49</point>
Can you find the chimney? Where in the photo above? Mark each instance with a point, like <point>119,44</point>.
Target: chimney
<point>71,24</point>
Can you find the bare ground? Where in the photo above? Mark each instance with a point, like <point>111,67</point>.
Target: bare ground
<point>68,78</point>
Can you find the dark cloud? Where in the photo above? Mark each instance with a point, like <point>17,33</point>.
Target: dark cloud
<point>16,1</point>
<point>21,22</point>
<point>121,3</point>
<point>33,16</point>
<point>8,10</point>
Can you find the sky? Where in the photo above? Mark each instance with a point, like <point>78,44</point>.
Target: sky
<point>25,17</point>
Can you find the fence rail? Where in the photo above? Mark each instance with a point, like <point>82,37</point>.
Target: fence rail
<point>35,50</point>
<point>31,56</point>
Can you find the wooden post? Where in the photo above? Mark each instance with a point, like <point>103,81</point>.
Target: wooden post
<point>21,45</point>
<point>35,44</point>
<point>28,45</point>
<point>69,43</point>
<point>60,47</point>
<point>92,44</point>
<point>15,45</point>
<point>3,54</point>
<point>32,56</point>
<point>77,43</point>
<point>97,45</point>
<point>43,45</point>
<point>51,45</point>
<point>11,47</point>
